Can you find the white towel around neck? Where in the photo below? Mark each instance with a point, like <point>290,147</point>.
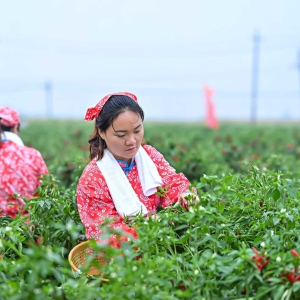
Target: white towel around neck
<point>124,197</point>
<point>10,136</point>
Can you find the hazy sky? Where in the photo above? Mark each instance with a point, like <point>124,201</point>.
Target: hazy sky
<point>161,50</point>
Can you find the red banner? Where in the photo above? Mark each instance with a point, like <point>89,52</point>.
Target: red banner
<point>210,117</point>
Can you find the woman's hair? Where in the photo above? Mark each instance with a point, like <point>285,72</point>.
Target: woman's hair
<point>110,111</point>
<point>7,128</point>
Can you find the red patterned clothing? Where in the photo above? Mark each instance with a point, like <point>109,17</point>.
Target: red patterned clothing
<point>20,168</point>
<point>94,201</point>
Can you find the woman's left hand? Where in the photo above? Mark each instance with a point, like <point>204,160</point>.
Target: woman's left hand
<point>188,197</point>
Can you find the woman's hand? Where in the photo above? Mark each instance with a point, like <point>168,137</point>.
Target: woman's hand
<point>153,217</point>
<point>188,197</point>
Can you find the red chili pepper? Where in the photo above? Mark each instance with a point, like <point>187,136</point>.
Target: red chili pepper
<point>175,158</point>
<point>139,257</point>
<point>294,253</point>
<point>39,240</point>
<point>260,259</point>
<point>292,276</point>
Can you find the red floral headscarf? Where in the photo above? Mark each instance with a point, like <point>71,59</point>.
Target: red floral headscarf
<point>9,117</point>
<point>93,112</point>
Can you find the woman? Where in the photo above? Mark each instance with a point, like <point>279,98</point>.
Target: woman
<point>20,166</point>
<point>124,174</point>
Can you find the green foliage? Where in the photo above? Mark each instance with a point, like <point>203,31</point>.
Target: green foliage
<point>190,148</point>
<point>234,244</point>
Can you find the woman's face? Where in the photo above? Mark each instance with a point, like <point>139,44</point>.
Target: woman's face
<point>124,137</point>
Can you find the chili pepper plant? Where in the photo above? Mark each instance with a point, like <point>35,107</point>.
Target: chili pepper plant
<point>241,241</point>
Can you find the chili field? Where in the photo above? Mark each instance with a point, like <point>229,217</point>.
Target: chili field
<point>240,242</point>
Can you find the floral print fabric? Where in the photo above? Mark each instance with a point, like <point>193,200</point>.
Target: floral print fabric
<point>9,117</point>
<point>20,168</point>
<point>93,112</point>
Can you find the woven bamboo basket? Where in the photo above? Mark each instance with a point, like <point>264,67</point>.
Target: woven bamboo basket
<point>77,258</point>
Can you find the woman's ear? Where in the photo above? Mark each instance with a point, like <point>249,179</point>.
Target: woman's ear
<point>102,134</point>
<point>15,129</point>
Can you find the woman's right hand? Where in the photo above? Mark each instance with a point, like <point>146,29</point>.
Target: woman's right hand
<point>153,217</point>
<point>185,202</point>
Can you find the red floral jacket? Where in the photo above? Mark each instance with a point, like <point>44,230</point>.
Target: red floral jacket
<point>95,203</point>
<point>20,169</point>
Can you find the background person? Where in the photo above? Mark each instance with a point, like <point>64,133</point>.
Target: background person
<point>20,166</point>
<point>124,174</point>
